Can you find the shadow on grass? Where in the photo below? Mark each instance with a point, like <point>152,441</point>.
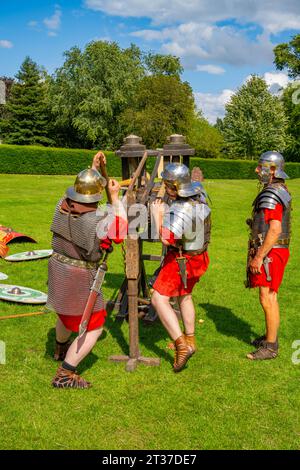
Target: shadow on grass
<point>86,364</point>
<point>149,335</point>
<point>228,324</point>
<point>114,281</point>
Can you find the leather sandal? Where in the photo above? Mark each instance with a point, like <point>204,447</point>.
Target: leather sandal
<point>190,339</point>
<point>258,341</point>
<point>65,378</point>
<point>265,351</point>
<point>182,353</point>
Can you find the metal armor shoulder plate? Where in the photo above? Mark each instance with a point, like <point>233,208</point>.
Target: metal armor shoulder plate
<point>272,195</point>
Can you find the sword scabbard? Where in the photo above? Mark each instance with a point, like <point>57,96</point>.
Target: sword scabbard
<point>181,260</point>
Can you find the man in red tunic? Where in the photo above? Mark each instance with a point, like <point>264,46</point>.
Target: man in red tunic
<point>269,247</point>
<point>73,265</point>
<point>185,229</point>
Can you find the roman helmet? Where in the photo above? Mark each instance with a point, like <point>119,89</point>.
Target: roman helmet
<point>268,160</point>
<point>177,176</point>
<point>88,187</point>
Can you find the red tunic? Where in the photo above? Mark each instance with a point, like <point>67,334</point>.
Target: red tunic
<point>279,257</point>
<point>116,234</point>
<point>168,281</point>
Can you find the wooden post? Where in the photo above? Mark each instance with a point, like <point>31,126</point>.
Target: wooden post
<point>133,272</point>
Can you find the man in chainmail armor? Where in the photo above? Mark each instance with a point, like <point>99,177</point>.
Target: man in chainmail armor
<point>73,266</point>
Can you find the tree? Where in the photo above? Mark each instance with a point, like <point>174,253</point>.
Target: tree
<point>291,102</point>
<point>25,120</point>
<point>161,106</point>
<point>205,138</point>
<point>287,55</point>
<point>91,90</point>
<point>254,122</point>
<point>158,64</point>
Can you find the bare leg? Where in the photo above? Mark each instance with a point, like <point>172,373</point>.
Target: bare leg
<point>188,313</point>
<point>166,314</point>
<point>269,303</point>
<point>80,348</point>
<point>62,333</point>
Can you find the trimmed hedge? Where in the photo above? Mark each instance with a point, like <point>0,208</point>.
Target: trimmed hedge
<point>33,160</point>
<point>218,168</point>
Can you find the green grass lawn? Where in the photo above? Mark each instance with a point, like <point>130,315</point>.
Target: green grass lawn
<point>220,401</point>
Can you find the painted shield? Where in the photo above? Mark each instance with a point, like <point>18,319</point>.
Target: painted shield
<point>8,234</point>
<point>21,294</point>
<point>29,255</point>
<point>3,277</point>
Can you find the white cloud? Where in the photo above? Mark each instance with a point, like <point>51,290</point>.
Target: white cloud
<point>194,42</point>
<point>213,105</point>
<point>54,22</point>
<point>273,15</point>
<point>209,68</point>
<point>6,44</point>
<point>32,24</point>
<point>276,81</point>
<point>188,29</point>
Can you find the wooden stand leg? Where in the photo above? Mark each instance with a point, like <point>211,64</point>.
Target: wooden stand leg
<point>136,277</point>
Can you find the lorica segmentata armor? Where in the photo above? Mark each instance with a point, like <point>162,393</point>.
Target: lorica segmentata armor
<point>189,220</point>
<point>267,199</point>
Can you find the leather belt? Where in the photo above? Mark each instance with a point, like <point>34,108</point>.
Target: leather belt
<point>281,243</point>
<point>189,252</point>
<point>75,262</point>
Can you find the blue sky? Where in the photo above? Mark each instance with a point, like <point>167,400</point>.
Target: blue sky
<point>220,42</point>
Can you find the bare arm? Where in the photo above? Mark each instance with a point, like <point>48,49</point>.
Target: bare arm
<point>157,213</point>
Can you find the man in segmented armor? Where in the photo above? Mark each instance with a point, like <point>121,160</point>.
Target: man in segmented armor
<point>73,266</point>
<point>268,250</point>
<point>184,227</point>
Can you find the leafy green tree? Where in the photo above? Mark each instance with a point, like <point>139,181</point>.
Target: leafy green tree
<point>291,102</point>
<point>26,117</point>
<point>205,138</point>
<point>91,90</point>
<point>254,122</point>
<point>162,105</point>
<point>287,55</point>
<point>159,64</point>
<point>219,124</point>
